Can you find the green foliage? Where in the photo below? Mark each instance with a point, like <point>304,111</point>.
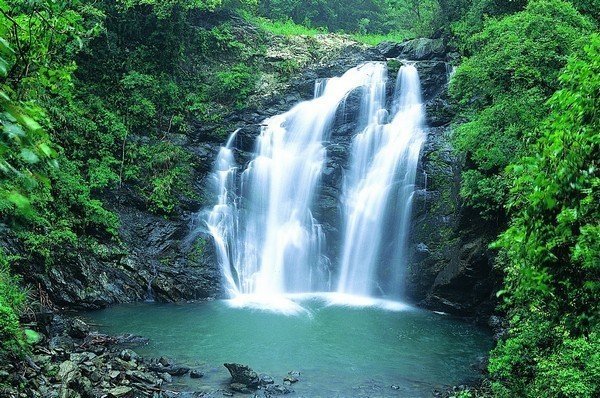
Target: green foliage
<point>538,173</point>
<point>166,8</point>
<point>373,39</point>
<point>286,27</point>
<point>32,337</point>
<point>65,216</point>
<point>61,204</point>
<point>588,7</point>
<point>371,19</point>
<point>23,144</point>
<point>335,15</point>
<point>12,298</point>
<point>502,89</point>
<point>197,250</point>
<point>161,171</point>
<point>467,18</point>
<point>377,17</point>
<point>553,248</point>
<point>234,85</point>
<point>165,78</point>
<point>46,35</point>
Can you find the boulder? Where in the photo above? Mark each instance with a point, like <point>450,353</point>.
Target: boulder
<point>67,372</point>
<point>165,365</point>
<point>239,387</point>
<point>422,49</point>
<point>243,374</point>
<point>390,49</point>
<point>78,329</point>
<point>64,343</point>
<point>128,355</point>
<point>276,389</point>
<point>290,379</point>
<point>120,392</point>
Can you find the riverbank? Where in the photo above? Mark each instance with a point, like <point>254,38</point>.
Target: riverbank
<point>72,360</point>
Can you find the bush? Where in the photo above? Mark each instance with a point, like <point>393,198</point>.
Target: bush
<point>161,172</point>
<point>552,286</point>
<point>234,85</point>
<point>502,89</point>
<point>12,298</point>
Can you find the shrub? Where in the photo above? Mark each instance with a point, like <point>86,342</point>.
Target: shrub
<point>233,86</point>
<point>12,298</point>
<point>552,247</point>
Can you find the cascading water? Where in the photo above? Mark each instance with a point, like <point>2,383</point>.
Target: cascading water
<point>378,193</point>
<point>267,241</point>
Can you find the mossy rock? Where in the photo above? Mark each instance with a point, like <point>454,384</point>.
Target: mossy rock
<point>32,337</point>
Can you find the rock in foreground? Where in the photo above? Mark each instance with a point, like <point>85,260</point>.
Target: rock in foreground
<point>242,375</point>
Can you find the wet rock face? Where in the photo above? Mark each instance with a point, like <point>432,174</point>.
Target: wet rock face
<point>417,49</point>
<point>155,261</point>
<point>450,268</point>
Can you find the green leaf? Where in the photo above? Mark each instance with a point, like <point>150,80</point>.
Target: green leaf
<point>4,67</point>
<point>20,201</point>
<point>29,156</point>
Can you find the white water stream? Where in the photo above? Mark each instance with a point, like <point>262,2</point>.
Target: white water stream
<point>267,241</point>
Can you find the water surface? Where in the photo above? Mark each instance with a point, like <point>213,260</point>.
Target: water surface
<point>341,351</point>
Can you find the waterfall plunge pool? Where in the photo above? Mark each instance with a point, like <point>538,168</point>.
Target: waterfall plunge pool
<point>354,349</point>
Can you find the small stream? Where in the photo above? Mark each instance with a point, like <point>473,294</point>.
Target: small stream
<point>383,349</point>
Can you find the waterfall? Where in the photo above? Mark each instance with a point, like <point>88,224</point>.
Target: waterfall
<point>267,240</point>
<point>378,193</point>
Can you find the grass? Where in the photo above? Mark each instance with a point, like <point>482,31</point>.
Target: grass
<point>290,28</point>
<point>374,39</point>
<point>285,28</point>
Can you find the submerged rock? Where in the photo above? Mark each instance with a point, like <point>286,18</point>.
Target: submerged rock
<point>165,365</point>
<point>131,339</point>
<point>290,379</point>
<point>128,355</point>
<point>276,389</point>
<point>196,374</point>
<point>265,379</point>
<point>239,387</point>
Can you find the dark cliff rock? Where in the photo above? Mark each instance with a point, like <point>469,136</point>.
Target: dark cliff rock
<point>450,267</point>
<point>417,49</point>
<point>153,260</point>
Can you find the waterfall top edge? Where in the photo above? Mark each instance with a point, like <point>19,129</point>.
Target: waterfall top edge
<point>298,303</point>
